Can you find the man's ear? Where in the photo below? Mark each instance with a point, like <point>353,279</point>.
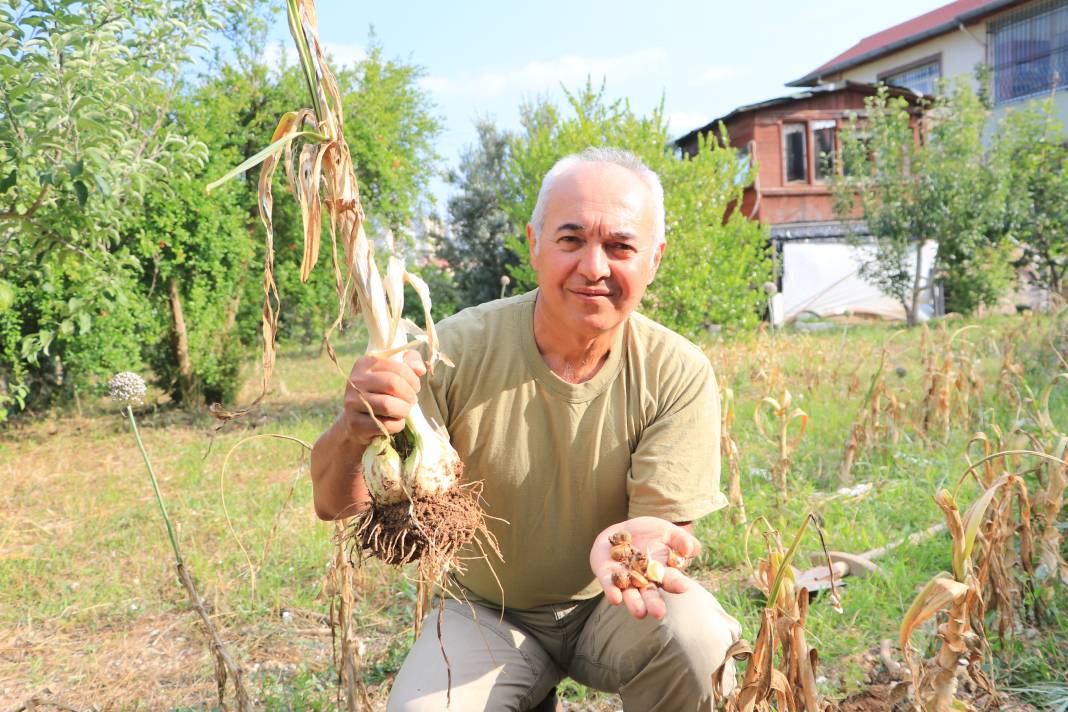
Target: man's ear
<point>532,245</point>
<point>658,254</point>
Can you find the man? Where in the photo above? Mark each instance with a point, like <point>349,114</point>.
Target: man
<point>581,417</point>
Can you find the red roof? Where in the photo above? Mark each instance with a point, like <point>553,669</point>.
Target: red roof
<point>936,17</point>
<point>943,19</point>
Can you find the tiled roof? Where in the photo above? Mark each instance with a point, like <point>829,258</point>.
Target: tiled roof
<point>931,24</point>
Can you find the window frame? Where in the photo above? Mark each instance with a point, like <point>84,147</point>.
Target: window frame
<point>807,179</point>
<point>1002,24</point>
<point>814,159</point>
<point>935,58</point>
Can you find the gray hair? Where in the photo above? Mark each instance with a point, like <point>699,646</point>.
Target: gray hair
<point>615,156</point>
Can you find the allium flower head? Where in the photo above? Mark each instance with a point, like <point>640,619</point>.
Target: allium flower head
<point>127,388</point>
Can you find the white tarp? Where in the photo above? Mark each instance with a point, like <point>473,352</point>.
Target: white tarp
<point>823,277</point>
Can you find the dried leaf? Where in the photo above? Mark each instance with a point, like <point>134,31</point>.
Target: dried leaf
<point>939,593</point>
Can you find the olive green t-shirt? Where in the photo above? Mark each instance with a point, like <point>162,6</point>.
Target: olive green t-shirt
<point>562,461</point>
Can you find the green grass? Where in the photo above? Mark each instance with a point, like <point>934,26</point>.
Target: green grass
<point>88,591</point>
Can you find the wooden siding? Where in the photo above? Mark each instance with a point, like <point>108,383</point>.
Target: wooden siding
<point>771,199</point>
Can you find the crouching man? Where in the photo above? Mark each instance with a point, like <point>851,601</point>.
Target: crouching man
<point>582,418</point>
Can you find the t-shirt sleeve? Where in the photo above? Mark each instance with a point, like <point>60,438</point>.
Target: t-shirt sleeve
<point>675,467</point>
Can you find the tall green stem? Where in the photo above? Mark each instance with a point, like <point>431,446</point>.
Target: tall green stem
<point>155,486</point>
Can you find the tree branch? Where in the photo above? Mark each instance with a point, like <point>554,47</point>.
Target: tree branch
<point>14,214</point>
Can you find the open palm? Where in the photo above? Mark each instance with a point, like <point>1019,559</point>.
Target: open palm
<point>656,537</point>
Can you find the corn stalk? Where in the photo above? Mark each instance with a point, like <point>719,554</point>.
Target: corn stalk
<point>340,589</point>
<point>1050,498</point>
<point>311,144</point>
<point>729,450</point>
<point>868,425</point>
<point>953,376</point>
<point>1048,504</point>
<point>785,415</point>
<point>981,538</point>
<point>323,174</point>
<point>792,685</point>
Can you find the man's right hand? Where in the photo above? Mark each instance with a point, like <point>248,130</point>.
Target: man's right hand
<point>388,387</point>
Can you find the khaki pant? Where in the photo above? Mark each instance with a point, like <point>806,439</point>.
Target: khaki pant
<point>513,663</point>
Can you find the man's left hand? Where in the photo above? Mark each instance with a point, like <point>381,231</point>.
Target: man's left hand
<point>653,536</point>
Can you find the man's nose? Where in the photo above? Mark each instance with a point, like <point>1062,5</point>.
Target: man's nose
<point>594,263</point>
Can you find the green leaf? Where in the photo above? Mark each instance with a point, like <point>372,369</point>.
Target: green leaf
<point>85,322</point>
<point>274,149</point>
<point>75,169</point>
<point>81,192</point>
<point>9,181</point>
<point>7,296</point>
<point>102,185</point>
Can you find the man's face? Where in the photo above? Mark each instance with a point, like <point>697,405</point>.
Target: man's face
<point>598,252</point>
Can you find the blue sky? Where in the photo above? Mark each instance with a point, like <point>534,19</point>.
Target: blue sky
<point>482,59</point>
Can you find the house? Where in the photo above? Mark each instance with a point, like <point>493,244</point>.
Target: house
<point>794,141</point>
<point>1023,42</point>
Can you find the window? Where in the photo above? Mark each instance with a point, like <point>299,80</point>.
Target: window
<point>1029,50</point>
<point>745,165</point>
<point>795,152</point>
<point>823,146</point>
<point>922,78</point>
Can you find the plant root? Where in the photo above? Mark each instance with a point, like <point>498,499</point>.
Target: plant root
<point>431,530</point>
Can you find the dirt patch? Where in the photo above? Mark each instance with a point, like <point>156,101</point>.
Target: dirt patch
<point>875,699</point>
<point>155,662</point>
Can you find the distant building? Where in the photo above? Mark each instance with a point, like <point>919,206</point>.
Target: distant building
<point>795,143</point>
<point>1024,43</point>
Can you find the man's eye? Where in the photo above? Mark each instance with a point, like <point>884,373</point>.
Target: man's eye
<point>622,247</point>
<point>569,239</point>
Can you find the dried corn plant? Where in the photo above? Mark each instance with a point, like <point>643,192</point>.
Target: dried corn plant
<point>1049,499</point>
<point>958,595</point>
<point>780,410</point>
<point>420,511</point>
<point>338,588</point>
<point>729,450</point>
<point>1045,421</point>
<point>951,383</point>
<point>1048,503</point>
<point>1011,370</point>
<point>767,362</point>
<point>984,539</point>
<point>1005,543</point>
<point>876,422</point>
<point>792,685</point>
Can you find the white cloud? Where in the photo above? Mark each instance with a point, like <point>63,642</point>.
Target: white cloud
<point>721,74</point>
<point>342,54</point>
<point>681,122</point>
<point>568,70</point>
<point>345,54</point>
